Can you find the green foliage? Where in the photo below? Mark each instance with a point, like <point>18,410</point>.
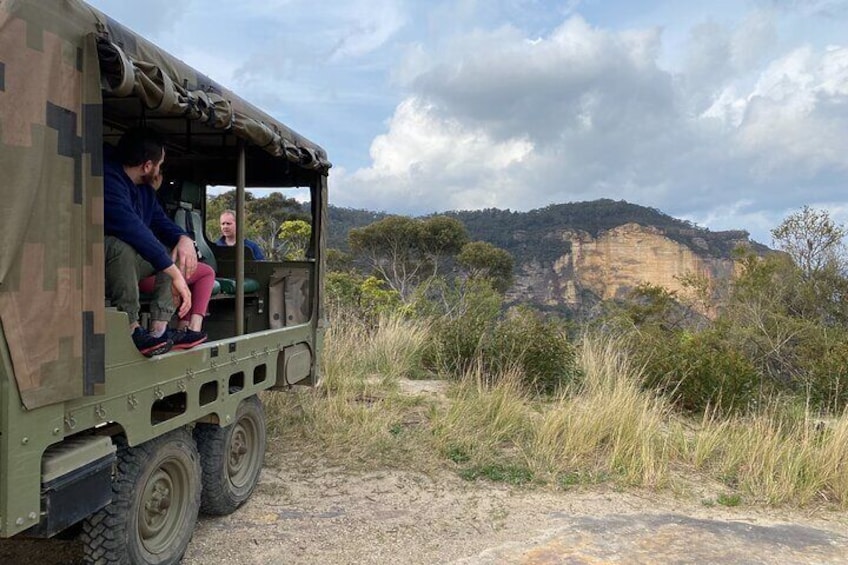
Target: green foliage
<point>496,472</point>
<point>441,235</point>
<point>338,260</point>
<point>538,347</point>
<point>812,239</point>
<point>729,500</point>
<point>485,261</point>
<point>789,326</point>
<point>462,317</point>
<point>825,382</point>
<point>653,305</point>
<point>468,331</point>
<point>342,220</point>
<point>365,295</point>
<point>294,236</point>
<point>696,370</point>
<point>457,454</point>
<point>406,251</point>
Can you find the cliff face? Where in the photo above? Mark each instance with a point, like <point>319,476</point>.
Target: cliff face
<point>610,265</point>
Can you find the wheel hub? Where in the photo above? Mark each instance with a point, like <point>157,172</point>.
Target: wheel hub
<point>239,447</point>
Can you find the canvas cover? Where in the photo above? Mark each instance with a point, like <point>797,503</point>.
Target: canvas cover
<point>52,53</point>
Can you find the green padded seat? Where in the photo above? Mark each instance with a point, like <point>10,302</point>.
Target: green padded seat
<point>228,286</point>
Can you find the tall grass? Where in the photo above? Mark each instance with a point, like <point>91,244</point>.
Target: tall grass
<point>604,426</point>
<point>357,414</point>
<point>357,353</point>
<point>487,419</point>
<point>774,457</point>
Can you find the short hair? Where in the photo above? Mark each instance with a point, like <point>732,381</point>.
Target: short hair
<point>230,212</point>
<point>139,145</point>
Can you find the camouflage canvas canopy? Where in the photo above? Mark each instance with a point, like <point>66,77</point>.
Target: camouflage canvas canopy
<point>60,62</point>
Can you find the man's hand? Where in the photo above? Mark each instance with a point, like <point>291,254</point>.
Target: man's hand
<point>179,290</point>
<point>156,181</point>
<point>185,256</point>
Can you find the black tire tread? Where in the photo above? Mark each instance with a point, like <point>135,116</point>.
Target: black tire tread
<point>217,499</point>
<point>103,533</point>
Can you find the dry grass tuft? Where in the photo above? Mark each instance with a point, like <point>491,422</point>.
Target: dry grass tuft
<point>483,421</point>
<point>775,456</point>
<point>604,425</point>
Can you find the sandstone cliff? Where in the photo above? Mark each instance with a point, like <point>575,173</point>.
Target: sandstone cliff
<point>610,264</point>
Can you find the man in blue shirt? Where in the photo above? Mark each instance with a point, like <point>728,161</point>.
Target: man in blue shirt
<point>138,237</point>
<point>228,235</point>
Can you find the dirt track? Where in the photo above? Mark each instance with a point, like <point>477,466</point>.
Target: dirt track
<point>323,514</point>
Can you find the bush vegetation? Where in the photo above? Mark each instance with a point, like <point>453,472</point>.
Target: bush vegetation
<point>750,399</point>
<point>603,426</point>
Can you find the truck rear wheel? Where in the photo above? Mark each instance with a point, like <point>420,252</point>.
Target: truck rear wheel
<point>231,458</point>
<point>155,502</point>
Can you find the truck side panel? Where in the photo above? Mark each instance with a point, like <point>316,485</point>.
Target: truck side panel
<point>51,267</point>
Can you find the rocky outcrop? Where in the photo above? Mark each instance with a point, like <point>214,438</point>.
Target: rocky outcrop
<point>611,264</point>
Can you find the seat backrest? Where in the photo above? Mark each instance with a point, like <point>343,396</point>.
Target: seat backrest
<point>189,219</point>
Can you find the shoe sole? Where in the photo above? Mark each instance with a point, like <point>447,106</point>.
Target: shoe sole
<point>190,344</point>
<point>157,349</point>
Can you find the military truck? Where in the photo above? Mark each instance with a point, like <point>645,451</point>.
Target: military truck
<point>93,435</point>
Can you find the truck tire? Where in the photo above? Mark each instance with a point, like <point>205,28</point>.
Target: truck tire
<point>231,458</point>
<point>155,502</point>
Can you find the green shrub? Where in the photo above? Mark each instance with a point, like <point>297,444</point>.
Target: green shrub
<point>538,347</point>
<point>367,296</point>
<point>468,331</point>
<point>461,319</point>
<point>826,383</point>
<point>698,370</point>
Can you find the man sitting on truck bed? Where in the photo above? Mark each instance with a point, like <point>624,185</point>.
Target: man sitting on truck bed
<point>138,235</point>
<point>228,235</point>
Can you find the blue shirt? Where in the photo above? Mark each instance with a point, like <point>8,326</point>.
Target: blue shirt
<point>252,245</point>
<point>132,214</point>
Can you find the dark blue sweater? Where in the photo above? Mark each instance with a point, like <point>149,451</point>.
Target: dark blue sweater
<point>133,215</point>
<point>250,244</point>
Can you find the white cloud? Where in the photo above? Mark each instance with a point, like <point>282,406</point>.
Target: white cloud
<point>367,26</point>
<point>500,118</point>
<point>796,116</point>
<point>430,162</point>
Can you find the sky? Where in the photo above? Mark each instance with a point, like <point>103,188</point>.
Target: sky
<point>731,114</point>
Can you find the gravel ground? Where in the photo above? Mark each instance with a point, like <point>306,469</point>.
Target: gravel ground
<point>327,515</point>
<point>318,513</point>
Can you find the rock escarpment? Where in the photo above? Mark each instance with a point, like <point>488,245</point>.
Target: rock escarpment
<point>610,264</point>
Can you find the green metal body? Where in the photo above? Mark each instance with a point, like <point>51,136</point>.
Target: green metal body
<point>134,384</point>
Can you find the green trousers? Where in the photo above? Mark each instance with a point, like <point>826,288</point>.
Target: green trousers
<point>124,268</point>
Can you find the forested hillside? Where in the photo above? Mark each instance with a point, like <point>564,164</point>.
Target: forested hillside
<point>342,220</point>
<point>520,233</point>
